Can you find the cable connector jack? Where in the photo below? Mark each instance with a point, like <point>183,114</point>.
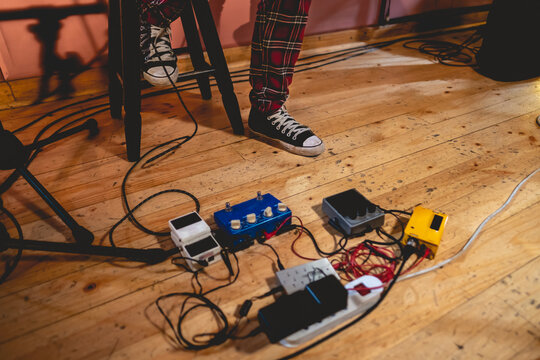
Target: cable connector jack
<point>408,251</point>
<point>244,309</point>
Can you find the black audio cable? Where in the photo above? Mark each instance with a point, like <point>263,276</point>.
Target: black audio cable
<point>449,53</point>
<point>207,339</point>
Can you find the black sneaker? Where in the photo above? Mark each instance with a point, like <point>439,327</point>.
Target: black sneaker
<point>281,128</point>
<point>158,57</point>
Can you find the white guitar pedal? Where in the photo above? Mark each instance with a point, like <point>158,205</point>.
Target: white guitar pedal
<point>192,235</point>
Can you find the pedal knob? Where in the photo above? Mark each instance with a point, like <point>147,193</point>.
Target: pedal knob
<point>282,207</point>
<point>268,212</point>
<point>236,224</point>
<point>351,210</point>
<point>362,211</point>
<point>251,218</point>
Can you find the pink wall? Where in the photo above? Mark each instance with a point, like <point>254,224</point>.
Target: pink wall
<point>235,18</point>
<point>19,49</point>
<point>85,35</point>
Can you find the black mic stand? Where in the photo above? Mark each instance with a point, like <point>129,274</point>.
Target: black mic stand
<point>14,156</point>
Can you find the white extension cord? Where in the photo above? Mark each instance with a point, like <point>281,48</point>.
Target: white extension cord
<point>474,235</point>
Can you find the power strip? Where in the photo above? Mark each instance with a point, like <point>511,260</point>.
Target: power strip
<point>296,278</point>
<point>356,305</point>
<point>290,314</point>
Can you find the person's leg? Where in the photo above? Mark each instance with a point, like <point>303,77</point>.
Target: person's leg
<point>277,40</point>
<point>159,60</point>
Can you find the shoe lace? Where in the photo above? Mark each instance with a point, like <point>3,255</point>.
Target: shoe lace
<point>283,119</point>
<point>159,47</point>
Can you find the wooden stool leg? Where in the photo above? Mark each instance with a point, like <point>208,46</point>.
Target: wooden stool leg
<point>131,77</point>
<point>115,87</point>
<point>217,58</point>
<point>195,50</point>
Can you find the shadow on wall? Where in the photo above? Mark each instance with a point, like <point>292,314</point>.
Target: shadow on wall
<point>216,6</point>
<point>46,32</point>
<point>242,35</point>
<point>217,10</point>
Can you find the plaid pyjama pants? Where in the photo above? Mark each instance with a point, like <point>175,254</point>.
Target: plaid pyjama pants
<point>277,40</point>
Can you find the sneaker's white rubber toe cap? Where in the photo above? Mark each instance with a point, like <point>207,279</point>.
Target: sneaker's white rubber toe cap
<point>157,76</point>
<point>312,141</point>
<point>312,146</point>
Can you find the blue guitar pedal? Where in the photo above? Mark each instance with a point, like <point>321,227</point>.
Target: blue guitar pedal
<point>244,222</point>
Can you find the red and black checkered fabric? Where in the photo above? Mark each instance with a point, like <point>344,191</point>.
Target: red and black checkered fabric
<point>277,40</point>
<point>161,12</point>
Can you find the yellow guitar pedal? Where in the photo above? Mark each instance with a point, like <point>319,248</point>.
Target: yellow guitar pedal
<point>426,227</point>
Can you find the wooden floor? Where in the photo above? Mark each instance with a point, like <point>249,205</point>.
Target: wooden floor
<point>400,128</point>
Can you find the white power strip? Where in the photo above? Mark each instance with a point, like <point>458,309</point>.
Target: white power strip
<point>296,279</point>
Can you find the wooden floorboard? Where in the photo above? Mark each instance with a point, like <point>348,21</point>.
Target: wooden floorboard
<point>399,127</point>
